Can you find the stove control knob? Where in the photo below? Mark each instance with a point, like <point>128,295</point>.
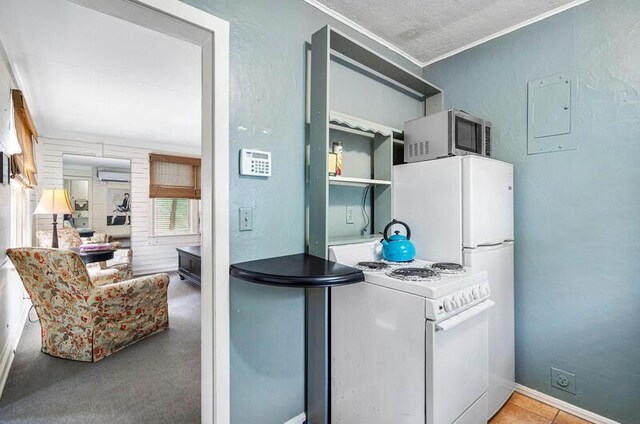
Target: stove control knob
<point>461,300</point>
<point>485,291</point>
<point>468,297</point>
<point>448,305</point>
<point>476,293</point>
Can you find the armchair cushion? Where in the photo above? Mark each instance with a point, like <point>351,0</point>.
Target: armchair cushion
<point>97,238</point>
<point>129,311</point>
<point>84,321</point>
<point>100,277</point>
<point>122,261</point>
<point>67,237</point>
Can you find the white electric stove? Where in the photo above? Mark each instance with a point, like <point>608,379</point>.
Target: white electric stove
<point>409,345</point>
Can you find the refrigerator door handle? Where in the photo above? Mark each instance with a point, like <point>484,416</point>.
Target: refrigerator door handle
<point>491,244</point>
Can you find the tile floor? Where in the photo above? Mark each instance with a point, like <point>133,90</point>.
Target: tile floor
<point>522,409</point>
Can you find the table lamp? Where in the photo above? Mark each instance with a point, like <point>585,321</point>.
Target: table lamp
<point>54,201</point>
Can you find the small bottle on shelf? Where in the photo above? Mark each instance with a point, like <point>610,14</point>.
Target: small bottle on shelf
<point>337,149</point>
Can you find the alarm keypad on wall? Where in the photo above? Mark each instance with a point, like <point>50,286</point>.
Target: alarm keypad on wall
<point>255,163</point>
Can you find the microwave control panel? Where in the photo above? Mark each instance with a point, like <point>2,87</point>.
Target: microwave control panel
<point>255,163</point>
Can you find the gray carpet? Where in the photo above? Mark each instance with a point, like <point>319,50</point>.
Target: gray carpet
<point>156,380</point>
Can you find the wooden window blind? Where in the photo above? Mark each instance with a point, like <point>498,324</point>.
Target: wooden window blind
<point>174,177</point>
<point>24,164</point>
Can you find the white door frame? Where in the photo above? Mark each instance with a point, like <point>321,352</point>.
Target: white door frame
<point>212,34</point>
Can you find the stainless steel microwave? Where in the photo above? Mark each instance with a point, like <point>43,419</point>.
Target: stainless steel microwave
<point>448,133</point>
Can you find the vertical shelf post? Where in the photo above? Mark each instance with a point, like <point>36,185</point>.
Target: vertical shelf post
<point>319,144</point>
<point>318,301</point>
<point>382,170</point>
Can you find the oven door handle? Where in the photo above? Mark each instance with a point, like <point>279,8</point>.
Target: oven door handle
<point>456,320</point>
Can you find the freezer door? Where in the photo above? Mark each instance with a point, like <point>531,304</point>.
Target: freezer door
<point>487,201</point>
<point>498,262</point>
<point>428,197</point>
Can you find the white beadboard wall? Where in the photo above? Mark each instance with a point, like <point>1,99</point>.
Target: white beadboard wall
<point>13,305</point>
<point>150,254</point>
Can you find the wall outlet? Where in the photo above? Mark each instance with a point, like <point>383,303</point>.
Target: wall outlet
<point>563,380</point>
<point>350,215</point>
<point>246,219</point>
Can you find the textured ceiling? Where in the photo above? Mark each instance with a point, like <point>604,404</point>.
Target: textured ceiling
<point>90,76</point>
<point>429,29</point>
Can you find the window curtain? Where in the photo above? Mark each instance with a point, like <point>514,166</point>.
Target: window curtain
<point>174,177</point>
<point>24,164</point>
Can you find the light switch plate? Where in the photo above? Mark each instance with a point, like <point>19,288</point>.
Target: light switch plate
<point>246,219</point>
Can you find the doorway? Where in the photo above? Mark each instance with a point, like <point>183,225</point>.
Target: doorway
<point>212,34</point>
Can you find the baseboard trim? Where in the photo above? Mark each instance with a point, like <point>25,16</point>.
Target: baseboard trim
<point>298,419</point>
<point>9,351</point>
<point>564,406</point>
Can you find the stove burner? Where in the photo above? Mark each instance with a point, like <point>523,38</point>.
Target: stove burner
<point>414,274</point>
<point>372,266</point>
<point>448,268</point>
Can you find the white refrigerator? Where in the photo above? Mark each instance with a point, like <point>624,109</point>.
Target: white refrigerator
<point>460,209</point>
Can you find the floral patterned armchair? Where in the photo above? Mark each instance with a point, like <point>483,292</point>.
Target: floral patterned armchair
<point>83,321</point>
<point>69,237</point>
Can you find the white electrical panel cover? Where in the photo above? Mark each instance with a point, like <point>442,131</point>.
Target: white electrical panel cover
<point>550,116</point>
<point>255,163</point>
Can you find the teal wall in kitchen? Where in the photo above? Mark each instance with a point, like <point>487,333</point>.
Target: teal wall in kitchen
<point>577,212</point>
<point>268,112</point>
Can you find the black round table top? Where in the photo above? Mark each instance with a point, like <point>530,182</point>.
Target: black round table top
<point>96,256</point>
<point>301,270</point>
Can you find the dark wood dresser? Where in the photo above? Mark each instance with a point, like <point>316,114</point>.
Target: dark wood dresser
<point>189,263</point>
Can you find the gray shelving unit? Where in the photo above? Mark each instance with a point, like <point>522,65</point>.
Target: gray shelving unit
<point>365,137</point>
<point>368,162</point>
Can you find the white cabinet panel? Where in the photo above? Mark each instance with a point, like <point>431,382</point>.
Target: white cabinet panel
<point>377,373</point>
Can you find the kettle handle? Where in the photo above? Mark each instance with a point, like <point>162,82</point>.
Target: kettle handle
<point>391,224</point>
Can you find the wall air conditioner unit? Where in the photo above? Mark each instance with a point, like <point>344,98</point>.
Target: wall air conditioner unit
<point>112,176</point>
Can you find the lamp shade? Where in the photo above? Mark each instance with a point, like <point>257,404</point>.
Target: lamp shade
<point>54,201</point>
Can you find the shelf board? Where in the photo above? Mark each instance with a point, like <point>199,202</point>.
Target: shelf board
<point>357,52</point>
<point>354,239</point>
<point>353,181</point>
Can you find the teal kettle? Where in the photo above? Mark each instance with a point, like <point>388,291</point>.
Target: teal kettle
<point>398,247</point>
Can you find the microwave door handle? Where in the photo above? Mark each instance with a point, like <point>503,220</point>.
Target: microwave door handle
<point>456,320</point>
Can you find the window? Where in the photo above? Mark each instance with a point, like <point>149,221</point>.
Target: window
<point>20,215</point>
<point>173,216</point>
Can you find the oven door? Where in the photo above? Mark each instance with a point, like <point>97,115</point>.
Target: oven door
<point>457,366</point>
<point>467,137</point>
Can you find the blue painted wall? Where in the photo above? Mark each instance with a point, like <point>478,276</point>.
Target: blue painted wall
<point>268,112</point>
<point>577,212</point>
